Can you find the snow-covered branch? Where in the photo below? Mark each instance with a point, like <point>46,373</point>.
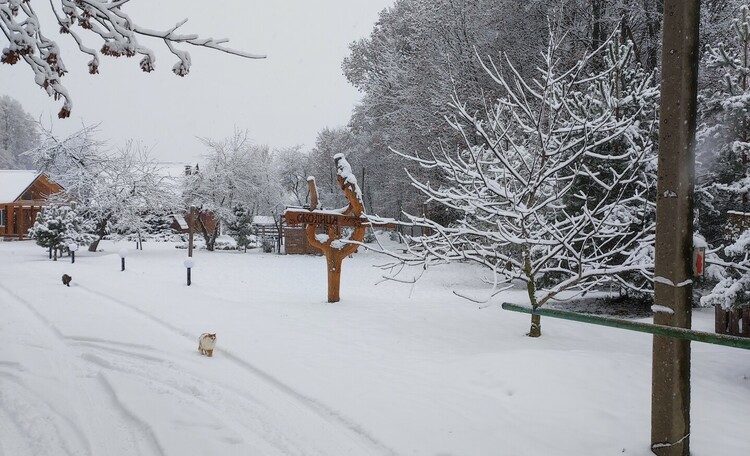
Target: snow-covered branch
<point>106,19</point>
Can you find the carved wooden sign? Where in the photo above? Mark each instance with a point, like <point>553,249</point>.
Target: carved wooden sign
<point>350,216</point>
<point>300,216</point>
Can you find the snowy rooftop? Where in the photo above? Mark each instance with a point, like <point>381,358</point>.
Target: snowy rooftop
<point>13,182</point>
<point>263,220</point>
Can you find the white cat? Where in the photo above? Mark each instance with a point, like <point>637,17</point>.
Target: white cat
<point>206,344</point>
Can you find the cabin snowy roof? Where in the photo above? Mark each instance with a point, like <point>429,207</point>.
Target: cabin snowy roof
<point>14,182</point>
<point>263,220</point>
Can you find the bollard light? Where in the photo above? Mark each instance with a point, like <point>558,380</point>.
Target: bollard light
<point>189,263</point>
<point>123,254</point>
<point>72,247</point>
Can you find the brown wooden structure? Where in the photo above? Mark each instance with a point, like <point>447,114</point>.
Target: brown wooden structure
<point>330,242</point>
<point>734,321</point>
<point>295,241</point>
<point>23,194</point>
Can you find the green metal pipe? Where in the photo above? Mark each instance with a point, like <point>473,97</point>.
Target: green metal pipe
<point>659,330</point>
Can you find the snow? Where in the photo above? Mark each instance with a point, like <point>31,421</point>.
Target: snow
<point>663,309</point>
<point>263,220</point>
<point>110,366</point>
<point>666,281</point>
<point>699,241</point>
<point>14,182</point>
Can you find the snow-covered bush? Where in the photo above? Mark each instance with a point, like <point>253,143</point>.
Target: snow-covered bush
<point>268,245</point>
<point>733,288</point>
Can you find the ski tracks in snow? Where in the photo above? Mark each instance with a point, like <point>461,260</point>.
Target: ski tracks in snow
<point>138,396</point>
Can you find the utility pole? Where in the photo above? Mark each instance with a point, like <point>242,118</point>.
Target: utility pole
<point>670,393</point>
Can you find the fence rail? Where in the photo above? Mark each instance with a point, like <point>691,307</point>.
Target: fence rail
<point>659,330</point>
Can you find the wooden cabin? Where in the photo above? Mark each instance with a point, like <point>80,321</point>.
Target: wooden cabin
<point>23,193</point>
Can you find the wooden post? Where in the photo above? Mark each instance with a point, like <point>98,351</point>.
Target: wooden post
<point>745,322</point>
<point>670,393</point>
<point>720,316</point>
<point>21,222</point>
<point>332,248</point>
<point>734,321</point>
<point>313,193</point>
<point>11,219</point>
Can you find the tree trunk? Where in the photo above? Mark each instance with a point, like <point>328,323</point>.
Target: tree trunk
<point>94,245</point>
<point>536,326</point>
<point>536,320</point>
<point>101,231</point>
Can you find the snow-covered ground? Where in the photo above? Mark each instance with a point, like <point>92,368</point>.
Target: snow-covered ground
<point>110,366</point>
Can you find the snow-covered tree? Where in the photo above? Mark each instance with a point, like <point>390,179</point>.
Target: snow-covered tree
<point>552,182</point>
<point>115,190</point>
<point>29,40</point>
<point>59,224</point>
<point>235,172</point>
<point>723,142</point>
<point>18,133</point>
<point>723,133</point>
<point>292,168</point>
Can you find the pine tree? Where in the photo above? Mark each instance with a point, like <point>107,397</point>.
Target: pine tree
<point>59,224</point>
<point>239,228</point>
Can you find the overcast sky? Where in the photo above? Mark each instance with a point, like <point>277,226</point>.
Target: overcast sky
<point>282,100</point>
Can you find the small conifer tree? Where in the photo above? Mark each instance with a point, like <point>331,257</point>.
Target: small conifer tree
<point>58,225</point>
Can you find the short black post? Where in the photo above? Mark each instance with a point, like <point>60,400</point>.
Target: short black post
<point>72,256</point>
<point>123,254</point>
<point>50,252</point>
<point>189,263</point>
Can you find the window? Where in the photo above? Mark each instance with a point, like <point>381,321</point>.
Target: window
<point>2,217</point>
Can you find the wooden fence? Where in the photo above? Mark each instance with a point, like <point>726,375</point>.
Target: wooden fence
<point>735,321</point>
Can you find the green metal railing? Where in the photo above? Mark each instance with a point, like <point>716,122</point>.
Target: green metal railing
<point>659,330</point>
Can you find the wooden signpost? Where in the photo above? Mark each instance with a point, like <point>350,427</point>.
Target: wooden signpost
<point>334,249</point>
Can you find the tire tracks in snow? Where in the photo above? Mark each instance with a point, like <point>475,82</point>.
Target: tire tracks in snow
<point>47,430</point>
<point>201,394</point>
<point>354,430</point>
<point>40,424</point>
